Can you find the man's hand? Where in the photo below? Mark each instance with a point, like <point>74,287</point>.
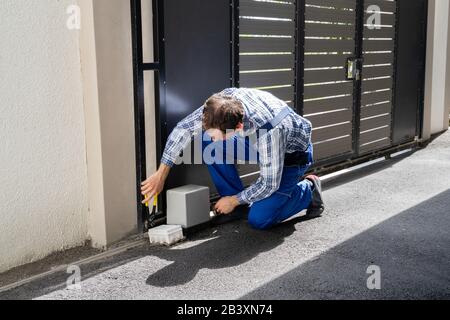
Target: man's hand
<point>227,205</point>
<point>155,184</point>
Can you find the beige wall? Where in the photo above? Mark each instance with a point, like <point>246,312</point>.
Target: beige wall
<point>68,170</point>
<point>43,170</point>
<point>108,76</point>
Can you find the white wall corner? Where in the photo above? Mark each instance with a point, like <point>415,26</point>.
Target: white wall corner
<point>96,215</point>
<point>447,86</point>
<point>106,46</point>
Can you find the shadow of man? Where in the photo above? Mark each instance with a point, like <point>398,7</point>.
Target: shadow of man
<point>231,245</point>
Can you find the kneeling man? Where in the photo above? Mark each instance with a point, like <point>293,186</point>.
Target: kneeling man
<point>283,151</point>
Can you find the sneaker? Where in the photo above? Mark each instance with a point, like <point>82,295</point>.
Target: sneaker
<point>317,206</point>
<point>240,213</point>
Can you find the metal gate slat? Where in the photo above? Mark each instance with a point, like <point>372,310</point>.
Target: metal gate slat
<point>312,92</point>
<point>266,27</point>
<point>384,32</point>
<point>372,123</point>
<point>266,9</point>
<point>266,62</point>
<point>381,71</point>
<point>325,105</point>
<point>378,58</point>
<point>374,135</point>
<point>325,60</point>
<point>332,148</point>
<point>386,19</point>
<point>378,45</point>
<point>329,15</point>
<point>331,118</point>
<point>328,45</point>
<point>375,97</point>
<point>374,110</point>
<point>267,45</point>
<point>285,93</point>
<point>385,6</point>
<point>331,132</point>
<point>329,30</point>
<point>374,85</point>
<point>319,76</point>
<point>266,79</point>
<point>375,146</point>
<point>339,4</point>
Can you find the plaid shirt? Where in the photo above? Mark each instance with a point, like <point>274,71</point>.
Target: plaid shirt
<point>293,134</point>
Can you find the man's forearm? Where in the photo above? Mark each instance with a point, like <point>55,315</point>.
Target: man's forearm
<point>164,171</point>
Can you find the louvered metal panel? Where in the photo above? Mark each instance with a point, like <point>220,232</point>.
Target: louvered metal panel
<point>376,107</point>
<point>330,41</point>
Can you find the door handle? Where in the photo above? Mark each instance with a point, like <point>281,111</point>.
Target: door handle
<point>353,69</point>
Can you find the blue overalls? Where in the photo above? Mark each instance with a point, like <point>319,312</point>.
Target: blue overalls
<point>292,196</point>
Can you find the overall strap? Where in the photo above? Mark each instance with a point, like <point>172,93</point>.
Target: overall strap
<point>277,120</point>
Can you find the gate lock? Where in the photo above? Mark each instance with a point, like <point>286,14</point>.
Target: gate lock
<point>353,69</point>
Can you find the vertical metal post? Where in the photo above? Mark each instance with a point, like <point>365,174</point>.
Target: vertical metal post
<point>422,68</point>
<point>235,64</point>
<point>300,56</point>
<point>394,76</point>
<point>160,86</point>
<point>139,67</point>
<point>139,106</point>
<point>357,84</point>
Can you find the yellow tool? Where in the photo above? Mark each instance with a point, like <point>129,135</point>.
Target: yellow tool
<point>152,216</point>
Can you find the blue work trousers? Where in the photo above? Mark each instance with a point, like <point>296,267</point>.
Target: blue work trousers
<point>291,198</point>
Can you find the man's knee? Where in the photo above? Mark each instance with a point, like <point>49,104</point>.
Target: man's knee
<point>258,222</point>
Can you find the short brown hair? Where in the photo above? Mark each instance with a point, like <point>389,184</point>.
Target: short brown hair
<point>222,112</point>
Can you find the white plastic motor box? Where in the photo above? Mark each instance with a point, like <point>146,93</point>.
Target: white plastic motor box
<point>166,234</point>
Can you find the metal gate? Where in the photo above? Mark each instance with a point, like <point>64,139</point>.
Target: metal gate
<point>355,69</point>
<point>350,117</point>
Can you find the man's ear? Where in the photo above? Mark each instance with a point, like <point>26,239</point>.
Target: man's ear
<point>240,126</point>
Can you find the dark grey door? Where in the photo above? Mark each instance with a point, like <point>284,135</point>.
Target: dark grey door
<point>197,36</point>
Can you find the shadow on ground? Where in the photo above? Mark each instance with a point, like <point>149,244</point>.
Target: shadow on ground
<point>227,246</point>
<point>412,249</point>
<point>230,247</point>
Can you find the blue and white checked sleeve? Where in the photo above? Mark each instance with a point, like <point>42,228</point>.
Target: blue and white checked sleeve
<point>272,149</point>
<point>181,136</point>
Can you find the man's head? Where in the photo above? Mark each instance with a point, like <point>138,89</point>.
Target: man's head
<point>222,116</point>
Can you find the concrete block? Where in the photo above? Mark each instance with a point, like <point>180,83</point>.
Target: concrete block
<point>188,206</point>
